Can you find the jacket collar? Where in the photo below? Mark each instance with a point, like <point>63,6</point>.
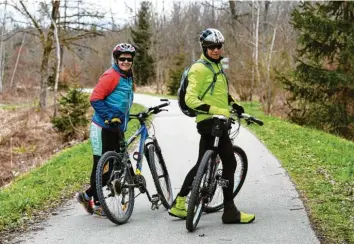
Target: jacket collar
<point>210,60</point>
<point>121,72</point>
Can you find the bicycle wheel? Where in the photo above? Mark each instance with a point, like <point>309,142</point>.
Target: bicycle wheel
<point>198,193</point>
<point>217,201</point>
<point>114,188</point>
<point>159,174</point>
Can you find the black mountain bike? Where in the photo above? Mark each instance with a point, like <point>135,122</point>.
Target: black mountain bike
<point>206,193</point>
<point>115,177</point>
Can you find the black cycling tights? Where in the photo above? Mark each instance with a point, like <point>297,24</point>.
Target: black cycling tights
<point>110,140</point>
<point>226,154</point>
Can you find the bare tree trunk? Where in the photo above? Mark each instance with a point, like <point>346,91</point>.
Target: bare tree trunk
<point>213,12</point>
<point>253,55</point>
<point>256,60</point>
<point>44,76</point>
<point>56,4</point>
<point>46,53</point>
<point>270,86</point>
<point>2,62</point>
<point>16,64</point>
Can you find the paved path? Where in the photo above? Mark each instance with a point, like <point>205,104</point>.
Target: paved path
<point>267,192</point>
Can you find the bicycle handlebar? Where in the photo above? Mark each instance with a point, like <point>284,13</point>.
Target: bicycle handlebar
<point>152,110</point>
<point>249,118</point>
<point>159,106</point>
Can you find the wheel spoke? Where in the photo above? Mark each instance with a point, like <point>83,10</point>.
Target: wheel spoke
<point>116,199</point>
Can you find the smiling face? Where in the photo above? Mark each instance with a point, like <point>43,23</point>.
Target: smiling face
<point>214,51</point>
<point>125,61</point>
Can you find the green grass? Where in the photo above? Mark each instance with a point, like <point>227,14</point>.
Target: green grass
<point>45,187</point>
<point>322,167</point>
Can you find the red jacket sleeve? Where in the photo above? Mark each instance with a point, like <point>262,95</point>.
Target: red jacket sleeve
<point>105,86</point>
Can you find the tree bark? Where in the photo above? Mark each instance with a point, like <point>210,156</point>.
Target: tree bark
<point>2,66</point>
<point>56,4</point>
<point>16,64</point>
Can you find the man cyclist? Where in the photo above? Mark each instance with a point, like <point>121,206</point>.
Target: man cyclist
<point>215,102</point>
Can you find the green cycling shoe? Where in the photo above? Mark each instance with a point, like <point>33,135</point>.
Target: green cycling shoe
<point>231,215</point>
<point>178,208</point>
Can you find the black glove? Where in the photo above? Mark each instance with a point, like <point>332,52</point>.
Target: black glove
<point>113,122</point>
<point>239,109</point>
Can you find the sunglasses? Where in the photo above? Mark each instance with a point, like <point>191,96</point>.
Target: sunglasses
<point>212,47</point>
<point>125,59</point>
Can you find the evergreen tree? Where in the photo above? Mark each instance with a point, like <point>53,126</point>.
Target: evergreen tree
<point>72,113</point>
<point>322,85</point>
<point>176,74</point>
<point>144,67</point>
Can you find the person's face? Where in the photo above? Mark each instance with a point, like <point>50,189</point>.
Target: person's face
<point>125,61</point>
<point>214,51</point>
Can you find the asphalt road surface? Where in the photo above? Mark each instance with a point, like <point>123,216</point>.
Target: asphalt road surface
<point>268,192</point>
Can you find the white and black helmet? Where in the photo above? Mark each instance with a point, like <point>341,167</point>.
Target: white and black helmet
<point>211,37</point>
<point>123,48</point>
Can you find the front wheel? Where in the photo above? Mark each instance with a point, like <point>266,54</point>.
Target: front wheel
<point>115,188</point>
<point>217,202</point>
<point>199,193</point>
<point>160,174</point>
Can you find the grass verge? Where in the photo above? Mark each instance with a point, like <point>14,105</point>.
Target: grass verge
<point>322,167</point>
<point>45,187</point>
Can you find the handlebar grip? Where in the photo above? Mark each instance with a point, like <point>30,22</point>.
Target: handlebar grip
<point>259,122</point>
<point>163,105</point>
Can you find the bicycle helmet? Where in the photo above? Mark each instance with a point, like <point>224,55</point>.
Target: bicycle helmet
<point>211,37</point>
<point>123,48</point>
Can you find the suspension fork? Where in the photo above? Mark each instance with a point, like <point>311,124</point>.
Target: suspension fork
<point>153,140</point>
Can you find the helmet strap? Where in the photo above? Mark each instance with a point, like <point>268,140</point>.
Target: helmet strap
<point>205,52</point>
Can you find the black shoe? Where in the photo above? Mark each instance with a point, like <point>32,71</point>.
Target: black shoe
<point>232,215</point>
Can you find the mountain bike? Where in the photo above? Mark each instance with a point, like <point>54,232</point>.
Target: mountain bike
<point>116,179</point>
<point>208,183</point>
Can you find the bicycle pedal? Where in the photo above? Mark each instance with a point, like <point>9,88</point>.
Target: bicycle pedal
<point>155,198</point>
<point>223,183</point>
<point>154,201</point>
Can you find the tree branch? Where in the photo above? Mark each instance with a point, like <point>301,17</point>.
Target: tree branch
<point>35,23</point>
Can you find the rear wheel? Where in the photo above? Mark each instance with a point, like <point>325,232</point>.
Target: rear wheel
<point>199,193</point>
<point>160,175</point>
<point>217,201</point>
<point>114,188</point>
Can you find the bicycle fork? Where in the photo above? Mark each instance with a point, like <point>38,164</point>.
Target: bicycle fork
<point>140,182</point>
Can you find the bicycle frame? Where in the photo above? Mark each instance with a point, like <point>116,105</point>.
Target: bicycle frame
<point>144,135</point>
<point>139,180</point>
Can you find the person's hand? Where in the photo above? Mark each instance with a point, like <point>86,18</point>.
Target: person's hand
<point>239,109</point>
<point>113,122</point>
<point>219,111</point>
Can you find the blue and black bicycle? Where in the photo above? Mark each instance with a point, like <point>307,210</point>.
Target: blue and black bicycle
<point>116,179</point>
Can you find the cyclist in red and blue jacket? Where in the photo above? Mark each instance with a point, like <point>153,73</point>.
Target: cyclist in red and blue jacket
<point>111,100</point>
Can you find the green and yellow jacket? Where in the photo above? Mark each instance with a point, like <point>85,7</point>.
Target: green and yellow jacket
<point>199,79</point>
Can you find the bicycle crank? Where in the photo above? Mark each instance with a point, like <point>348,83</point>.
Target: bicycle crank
<point>141,182</point>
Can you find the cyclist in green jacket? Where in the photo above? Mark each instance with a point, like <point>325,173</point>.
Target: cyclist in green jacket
<point>215,102</point>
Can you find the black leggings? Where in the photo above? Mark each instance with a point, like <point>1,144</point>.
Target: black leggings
<point>110,142</point>
<point>227,157</point>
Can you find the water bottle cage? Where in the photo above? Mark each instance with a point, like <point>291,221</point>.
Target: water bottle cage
<point>136,156</point>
